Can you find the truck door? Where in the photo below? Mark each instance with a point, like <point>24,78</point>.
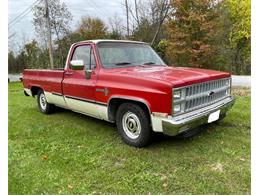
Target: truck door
<point>78,90</point>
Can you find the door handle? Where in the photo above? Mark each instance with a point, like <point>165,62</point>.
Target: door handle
<point>68,73</point>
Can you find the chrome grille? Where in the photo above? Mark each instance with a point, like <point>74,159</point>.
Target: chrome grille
<point>202,94</point>
<point>202,87</point>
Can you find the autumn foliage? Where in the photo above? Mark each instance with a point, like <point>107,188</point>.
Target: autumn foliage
<point>191,28</point>
<point>211,34</point>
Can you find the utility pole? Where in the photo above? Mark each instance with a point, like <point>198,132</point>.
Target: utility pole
<point>49,34</point>
<point>127,17</point>
<point>136,13</point>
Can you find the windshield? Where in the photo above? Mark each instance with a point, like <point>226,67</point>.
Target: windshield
<point>114,54</point>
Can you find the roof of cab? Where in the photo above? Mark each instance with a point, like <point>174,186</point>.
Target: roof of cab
<point>111,40</point>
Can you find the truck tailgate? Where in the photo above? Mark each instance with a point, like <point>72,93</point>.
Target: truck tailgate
<point>48,80</point>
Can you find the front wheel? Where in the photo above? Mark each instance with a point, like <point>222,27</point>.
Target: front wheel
<point>43,105</point>
<point>133,124</point>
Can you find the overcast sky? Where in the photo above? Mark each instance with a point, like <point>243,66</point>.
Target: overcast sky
<point>24,30</point>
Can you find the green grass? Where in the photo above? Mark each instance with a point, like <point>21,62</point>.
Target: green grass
<point>69,153</point>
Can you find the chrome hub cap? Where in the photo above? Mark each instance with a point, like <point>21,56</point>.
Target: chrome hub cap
<point>43,101</point>
<point>131,125</point>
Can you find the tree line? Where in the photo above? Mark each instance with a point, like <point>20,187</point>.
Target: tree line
<point>211,34</point>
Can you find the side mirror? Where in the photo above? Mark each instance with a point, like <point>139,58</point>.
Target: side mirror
<point>77,64</point>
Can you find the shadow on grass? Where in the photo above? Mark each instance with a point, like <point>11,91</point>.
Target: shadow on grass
<point>158,140</point>
<point>85,117</point>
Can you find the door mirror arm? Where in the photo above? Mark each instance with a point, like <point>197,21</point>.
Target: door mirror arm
<point>88,74</point>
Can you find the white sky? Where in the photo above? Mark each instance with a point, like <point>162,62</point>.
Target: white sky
<point>24,30</point>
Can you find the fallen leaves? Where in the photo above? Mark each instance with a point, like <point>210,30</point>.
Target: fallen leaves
<point>70,186</point>
<point>241,91</point>
<point>164,179</point>
<point>44,157</point>
<point>217,167</point>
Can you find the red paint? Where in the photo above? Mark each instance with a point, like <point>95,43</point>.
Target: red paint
<point>150,84</point>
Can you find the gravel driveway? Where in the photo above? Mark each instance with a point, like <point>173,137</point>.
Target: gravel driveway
<point>241,81</point>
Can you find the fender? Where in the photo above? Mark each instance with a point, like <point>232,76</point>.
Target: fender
<point>132,98</point>
<point>34,85</point>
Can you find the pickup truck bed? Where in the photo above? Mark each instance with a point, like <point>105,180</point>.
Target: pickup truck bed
<point>49,80</point>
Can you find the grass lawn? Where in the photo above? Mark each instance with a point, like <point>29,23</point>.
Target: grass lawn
<point>69,153</point>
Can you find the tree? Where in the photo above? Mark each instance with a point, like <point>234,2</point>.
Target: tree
<point>191,29</point>
<point>33,56</point>
<point>222,59</point>
<point>16,63</point>
<point>12,67</point>
<point>147,19</point>
<point>31,51</point>
<point>92,28</point>
<point>60,20</point>
<point>160,12</point>
<point>116,27</point>
<point>240,35</point>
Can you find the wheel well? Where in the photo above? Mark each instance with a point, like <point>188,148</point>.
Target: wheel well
<point>35,90</point>
<point>116,102</point>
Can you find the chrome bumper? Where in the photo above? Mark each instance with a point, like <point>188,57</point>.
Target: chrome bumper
<point>176,125</point>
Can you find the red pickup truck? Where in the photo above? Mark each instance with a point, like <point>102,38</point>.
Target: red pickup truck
<point>127,83</point>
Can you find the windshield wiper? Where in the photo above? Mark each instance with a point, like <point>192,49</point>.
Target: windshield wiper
<point>122,63</point>
<point>148,63</point>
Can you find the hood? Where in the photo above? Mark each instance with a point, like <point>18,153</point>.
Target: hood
<point>177,76</point>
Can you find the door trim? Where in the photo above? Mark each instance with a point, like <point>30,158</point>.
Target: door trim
<point>85,100</point>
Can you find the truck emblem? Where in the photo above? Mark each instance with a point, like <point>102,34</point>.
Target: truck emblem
<point>211,93</point>
<point>105,91</point>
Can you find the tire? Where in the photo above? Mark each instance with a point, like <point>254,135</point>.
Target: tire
<point>133,125</point>
<point>43,105</point>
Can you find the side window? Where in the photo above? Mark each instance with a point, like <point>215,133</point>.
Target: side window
<point>86,54</point>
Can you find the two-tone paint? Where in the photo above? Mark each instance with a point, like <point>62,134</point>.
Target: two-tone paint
<point>150,86</point>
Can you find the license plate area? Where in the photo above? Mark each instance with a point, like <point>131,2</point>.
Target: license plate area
<point>214,116</point>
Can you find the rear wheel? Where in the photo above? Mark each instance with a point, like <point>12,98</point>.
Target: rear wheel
<point>43,105</point>
<point>133,124</point>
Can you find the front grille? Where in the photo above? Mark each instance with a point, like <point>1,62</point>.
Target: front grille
<point>202,94</point>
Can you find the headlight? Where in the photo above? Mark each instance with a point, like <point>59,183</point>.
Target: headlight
<point>177,108</point>
<point>178,100</point>
<point>176,94</point>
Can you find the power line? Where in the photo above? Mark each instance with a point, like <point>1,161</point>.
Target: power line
<point>27,9</point>
<point>23,14</point>
<point>10,36</point>
<point>99,11</point>
<point>86,11</point>
<point>98,7</point>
